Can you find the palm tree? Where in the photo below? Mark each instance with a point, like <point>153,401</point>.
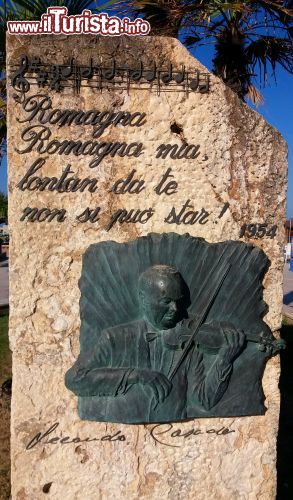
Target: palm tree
<point>165,16</point>
<point>3,206</point>
<point>249,36</point>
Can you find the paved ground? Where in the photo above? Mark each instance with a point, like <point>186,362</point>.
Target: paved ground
<point>3,282</point>
<point>288,288</point>
<point>288,292</point>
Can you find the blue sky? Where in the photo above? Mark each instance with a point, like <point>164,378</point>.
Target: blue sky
<point>277,110</point>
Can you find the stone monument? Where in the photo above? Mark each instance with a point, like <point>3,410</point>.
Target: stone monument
<point>146,213</point>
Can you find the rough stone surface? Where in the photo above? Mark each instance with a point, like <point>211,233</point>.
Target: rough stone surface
<point>245,166</point>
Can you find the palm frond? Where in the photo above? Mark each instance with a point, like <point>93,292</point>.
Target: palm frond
<point>191,40</point>
<point>254,95</point>
<point>269,50</point>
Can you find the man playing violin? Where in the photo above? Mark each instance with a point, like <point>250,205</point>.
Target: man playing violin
<point>126,378</point>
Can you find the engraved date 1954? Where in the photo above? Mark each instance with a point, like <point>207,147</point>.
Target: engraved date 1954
<point>258,231</point>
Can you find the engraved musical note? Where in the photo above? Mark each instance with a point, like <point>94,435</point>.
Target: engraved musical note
<point>55,77</point>
<point>109,73</point>
<point>193,84</point>
<point>42,75</point>
<point>67,71</point>
<point>167,77</point>
<point>18,81</point>
<point>98,71</point>
<point>42,78</point>
<point>135,74</point>
<point>205,85</point>
<point>180,76</point>
<point>60,73</point>
<point>151,74</point>
<point>70,74</point>
<point>86,72</point>
<point>35,64</point>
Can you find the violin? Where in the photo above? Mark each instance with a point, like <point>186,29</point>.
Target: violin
<point>211,337</point>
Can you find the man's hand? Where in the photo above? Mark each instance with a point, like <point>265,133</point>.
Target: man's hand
<point>158,383</point>
<point>234,342</point>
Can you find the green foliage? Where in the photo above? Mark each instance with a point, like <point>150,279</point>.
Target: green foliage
<point>3,205</point>
<point>288,322</point>
<point>251,43</point>
<point>251,37</point>
<point>165,17</point>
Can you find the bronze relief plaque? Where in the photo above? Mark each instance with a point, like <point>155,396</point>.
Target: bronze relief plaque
<point>171,329</point>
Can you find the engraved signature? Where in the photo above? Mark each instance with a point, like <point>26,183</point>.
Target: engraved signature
<point>162,433</point>
<point>41,438</point>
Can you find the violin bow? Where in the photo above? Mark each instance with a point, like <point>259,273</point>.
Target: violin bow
<point>201,318</point>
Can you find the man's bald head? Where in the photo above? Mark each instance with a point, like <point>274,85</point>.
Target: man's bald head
<point>157,276</point>
<point>162,293</point>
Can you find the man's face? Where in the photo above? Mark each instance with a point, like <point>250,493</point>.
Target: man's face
<point>163,303</point>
